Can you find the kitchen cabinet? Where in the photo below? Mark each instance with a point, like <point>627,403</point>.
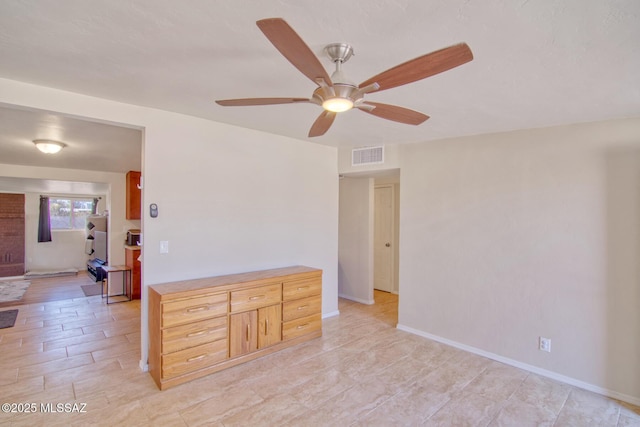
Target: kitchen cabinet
<point>131,256</point>
<point>133,195</point>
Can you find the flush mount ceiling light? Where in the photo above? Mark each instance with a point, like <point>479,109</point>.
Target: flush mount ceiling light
<point>48,146</point>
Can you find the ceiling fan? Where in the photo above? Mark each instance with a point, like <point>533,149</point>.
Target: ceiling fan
<point>336,93</point>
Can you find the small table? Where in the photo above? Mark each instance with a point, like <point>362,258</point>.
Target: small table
<point>126,282</point>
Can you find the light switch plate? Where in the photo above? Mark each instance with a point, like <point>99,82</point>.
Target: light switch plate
<point>164,246</point>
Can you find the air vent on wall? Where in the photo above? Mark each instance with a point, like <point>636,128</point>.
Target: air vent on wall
<point>367,156</point>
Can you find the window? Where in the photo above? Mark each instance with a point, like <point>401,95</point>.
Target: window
<point>69,213</point>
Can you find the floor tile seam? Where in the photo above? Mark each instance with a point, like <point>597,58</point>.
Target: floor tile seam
<point>98,322</point>
<point>503,404</point>
<point>528,374</point>
<point>426,418</point>
<point>36,363</point>
<point>328,398</point>
<point>21,330</point>
<point>364,416</point>
<point>618,418</point>
<point>471,380</point>
<point>83,336</point>
<point>33,319</point>
<point>564,403</point>
<point>148,407</point>
<point>44,374</point>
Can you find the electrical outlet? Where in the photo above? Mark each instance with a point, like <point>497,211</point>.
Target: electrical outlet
<point>164,246</point>
<point>544,344</point>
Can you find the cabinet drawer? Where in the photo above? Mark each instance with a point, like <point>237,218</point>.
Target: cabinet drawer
<point>193,309</point>
<point>194,334</point>
<point>301,308</point>
<point>301,288</point>
<point>297,327</point>
<point>192,359</point>
<point>250,299</point>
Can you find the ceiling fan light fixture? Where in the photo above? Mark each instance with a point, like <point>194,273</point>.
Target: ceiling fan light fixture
<point>48,146</point>
<point>337,105</point>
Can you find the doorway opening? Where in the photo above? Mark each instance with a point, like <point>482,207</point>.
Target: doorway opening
<point>368,249</point>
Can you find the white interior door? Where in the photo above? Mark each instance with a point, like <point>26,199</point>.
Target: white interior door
<point>383,238</point>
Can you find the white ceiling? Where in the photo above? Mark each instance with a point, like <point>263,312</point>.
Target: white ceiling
<point>90,145</point>
<point>536,63</point>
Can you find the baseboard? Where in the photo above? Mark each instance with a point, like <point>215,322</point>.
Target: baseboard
<point>534,369</point>
<point>332,314</point>
<point>11,278</point>
<point>361,301</point>
<point>41,274</point>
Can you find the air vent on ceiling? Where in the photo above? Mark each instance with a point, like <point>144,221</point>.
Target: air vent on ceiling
<point>367,156</point>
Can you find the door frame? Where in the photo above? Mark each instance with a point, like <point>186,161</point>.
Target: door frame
<point>355,267</point>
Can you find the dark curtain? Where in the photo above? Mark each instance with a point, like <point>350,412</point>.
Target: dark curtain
<point>94,206</point>
<point>44,223</point>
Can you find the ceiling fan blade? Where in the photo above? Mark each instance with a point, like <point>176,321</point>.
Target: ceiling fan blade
<point>395,113</point>
<point>322,123</point>
<point>422,67</point>
<point>292,47</point>
<point>259,101</point>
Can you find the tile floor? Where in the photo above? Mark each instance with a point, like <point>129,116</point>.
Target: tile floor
<point>362,372</point>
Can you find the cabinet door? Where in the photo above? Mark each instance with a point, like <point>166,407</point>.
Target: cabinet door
<point>131,260</point>
<point>133,195</point>
<point>269,327</point>
<point>243,333</point>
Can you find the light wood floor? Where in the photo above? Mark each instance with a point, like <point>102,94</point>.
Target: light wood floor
<point>53,289</point>
<point>362,372</point>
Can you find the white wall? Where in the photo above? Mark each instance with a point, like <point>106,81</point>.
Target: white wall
<point>355,249</point>
<point>230,199</point>
<point>65,250</point>
<point>508,237</point>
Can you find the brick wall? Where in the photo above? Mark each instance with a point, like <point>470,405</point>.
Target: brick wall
<point>11,234</point>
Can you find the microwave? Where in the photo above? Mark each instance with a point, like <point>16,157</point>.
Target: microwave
<point>133,238</point>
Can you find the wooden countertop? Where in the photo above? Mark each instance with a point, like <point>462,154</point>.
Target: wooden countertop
<point>231,279</point>
<point>133,248</point>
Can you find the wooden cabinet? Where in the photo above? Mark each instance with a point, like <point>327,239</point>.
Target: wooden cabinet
<point>256,318</point>
<point>269,325</point>
<point>302,307</point>
<point>189,334</point>
<point>197,327</point>
<point>133,196</point>
<point>131,256</point>
<point>243,334</point>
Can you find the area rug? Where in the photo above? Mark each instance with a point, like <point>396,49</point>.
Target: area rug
<point>91,290</point>
<point>13,290</point>
<point>8,318</point>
